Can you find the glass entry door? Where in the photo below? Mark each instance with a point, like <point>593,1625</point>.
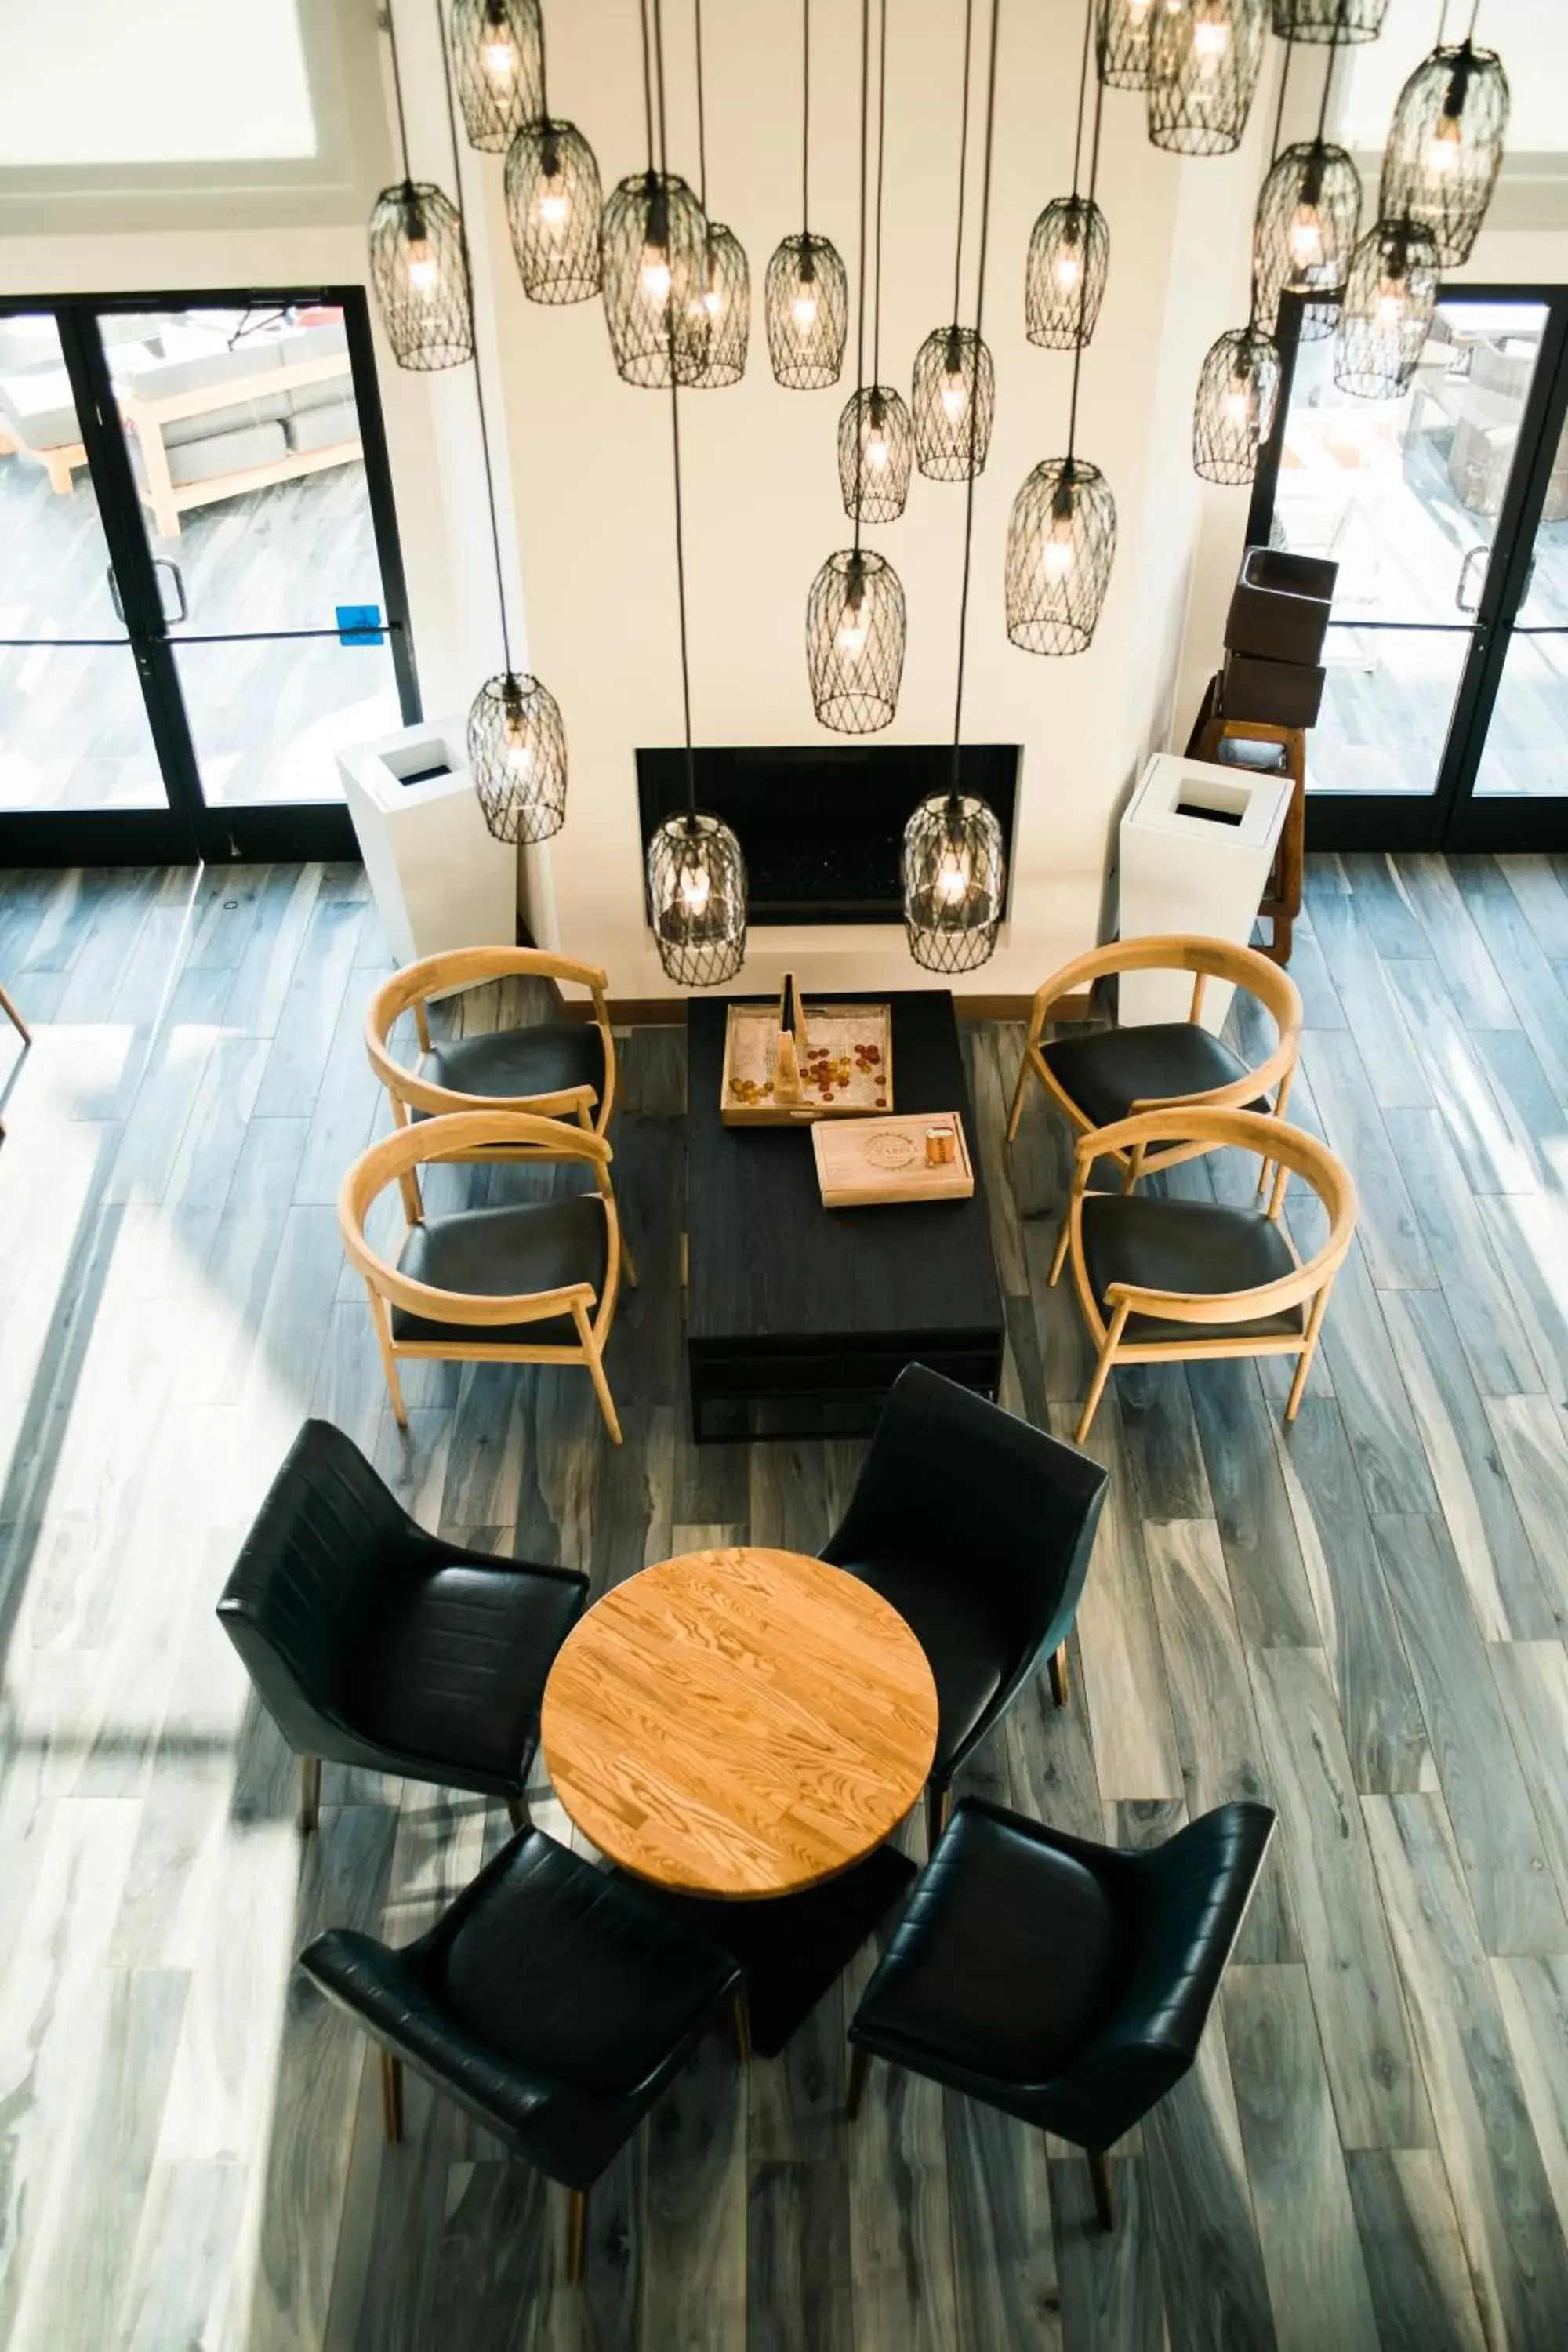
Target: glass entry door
<point>1448,514</point>
<point>217,533</point>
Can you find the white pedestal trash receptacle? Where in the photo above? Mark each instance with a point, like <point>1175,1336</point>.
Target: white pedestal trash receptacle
<point>1197,844</point>
<point>439,878</point>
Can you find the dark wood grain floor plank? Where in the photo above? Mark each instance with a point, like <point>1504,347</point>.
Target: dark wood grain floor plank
<point>1495,1156</point>
<point>1452,1220</point>
<point>1414,2258</point>
<point>1533,1682</point>
<point>1112,2300</point>
<point>1532,987</point>
<point>1389,1231</point>
<point>1367,1003</point>
<point>694,2206</point>
<point>1432,885</point>
<point>1003,2252</point>
<point>1263,1552</point>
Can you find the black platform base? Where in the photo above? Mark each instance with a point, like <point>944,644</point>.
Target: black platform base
<point>795,1948</point>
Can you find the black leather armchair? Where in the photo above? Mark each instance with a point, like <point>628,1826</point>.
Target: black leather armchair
<point>553,2001</point>
<point>978,1529</point>
<point>372,1643</point>
<point>1063,1983</point>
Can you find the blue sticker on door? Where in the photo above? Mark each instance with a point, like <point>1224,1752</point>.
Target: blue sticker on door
<point>359,625</point>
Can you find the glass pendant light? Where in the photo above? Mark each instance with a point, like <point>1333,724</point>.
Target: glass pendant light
<point>553,205</point>
<point>1233,415</point>
<point>876,437</point>
<point>419,262</point>
<point>1446,146</point>
<point>1205,58</point>
<point>1124,46</point>
<point>806,300</point>
<point>517,741</point>
<point>1326,20</point>
<point>497,48</point>
<point>726,291</point>
<point>1061,533</point>
<point>1070,250</point>
<point>1390,295</point>
<point>1309,213</point>
<point>855,625</point>
<point>953,864</point>
<point>952,399</point>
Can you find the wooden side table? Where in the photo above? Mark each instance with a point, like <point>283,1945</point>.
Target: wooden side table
<point>743,1729</point>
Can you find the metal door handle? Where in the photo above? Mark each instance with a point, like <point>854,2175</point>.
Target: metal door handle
<point>114,595</point>
<point>162,564</point>
<point>1461,602</point>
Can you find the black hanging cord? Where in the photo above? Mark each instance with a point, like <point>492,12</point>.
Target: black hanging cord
<point>1082,91</point>
<point>963,151</point>
<point>674,420</point>
<point>647,83</point>
<point>1328,70</point>
<point>1083,279</point>
<point>1475,12</point>
<point>478,373</point>
<point>860,315</point>
<point>397,90</point>
<point>882,129</point>
<point>975,391</point>
<point>805,119</point>
<point>543,83</point>
<point>702,121</point>
<point>1284,77</point>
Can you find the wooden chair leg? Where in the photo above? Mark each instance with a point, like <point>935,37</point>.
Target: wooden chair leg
<point>939,1805</point>
<point>391,2096</point>
<point>517,1812</point>
<point>741,2013</point>
<point>1096,1391</point>
<point>379,1317</point>
<point>628,1263</point>
<point>8,1006</point>
<point>859,2067</point>
<point>1015,1115</point>
<point>576,2234</point>
<point>1060,1258</point>
<point>309,1793</point>
<point>1099,2173</point>
<point>1062,1675</point>
<point>602,1389</point>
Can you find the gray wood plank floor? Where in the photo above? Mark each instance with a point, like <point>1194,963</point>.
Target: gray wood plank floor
<point>1361,1617</point>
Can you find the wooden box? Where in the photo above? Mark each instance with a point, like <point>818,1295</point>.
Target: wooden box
<point>843,1053</point>
<point>879,1160</point>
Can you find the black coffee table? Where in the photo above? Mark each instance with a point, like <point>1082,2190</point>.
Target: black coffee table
<point>799,1318</point>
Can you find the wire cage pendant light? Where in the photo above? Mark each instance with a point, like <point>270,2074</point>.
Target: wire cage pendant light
<point>1204,60</point>
<point>1445,147</point>
<point>725,294</point>
<point>655,246</point>
<point>1122,52</point>
<point>1335,21</point>
<point>497,50</point>
<point>1233,415</point>
<point>806,298</point>
<point>697,900</point>
<point>1309,214</point>
<point>876,454</point>
<point>1064,285</point>
<point>1390,297</point>
<point>953,401</point>
<point>516,757</point>
<point>952,860</point>
<point>855,634</point>
<point>419,259</point>
<point>553,206</point>
<point>1061,544</point>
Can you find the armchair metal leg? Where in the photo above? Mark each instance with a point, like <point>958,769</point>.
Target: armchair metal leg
<point>741,2011</point>
<point>1099,2173</point>
<point>576,2234</point>
<point>517,1812</point>
<point>859,2067</point>
<point>309,1793</point>
<point>1062,1675</point>
<point>391,2096</point>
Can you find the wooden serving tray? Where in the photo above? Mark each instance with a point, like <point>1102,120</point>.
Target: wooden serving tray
<point>846,1057</point>
<point>884,1159</point>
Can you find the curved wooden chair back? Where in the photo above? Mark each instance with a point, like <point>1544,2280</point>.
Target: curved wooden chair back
<point>1290,1151</point>
<point>411,989</point>
<point>480,1135</point>
<point>1206,959</point>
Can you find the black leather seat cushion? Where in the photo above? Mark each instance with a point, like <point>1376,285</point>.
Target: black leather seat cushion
<point>569,1972</point>
<point>970,1650</point>
<point>545,1058</point>
<point>501,1253</point>
<point>1010,1955</point>
<point>1185,1246</point>
<point>1106,1071</point>
<point>451,1667</point>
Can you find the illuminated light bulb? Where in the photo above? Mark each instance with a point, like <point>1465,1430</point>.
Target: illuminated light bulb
<point>1136,11</point>
<point>1391,306</point>
<point>713,300</point>
<point>499,53</point>
<point>1056,555</point>
<point>1068,271</point>
<point>852,625</point>
<point>804,312</point>
<point>655,274</point>
<point>1236,407</point>
<point>1443,147</point>
<point>1307,237</point>
<point>696,887</point>
<point>424,269</point>
<point>877,450</point>
<point>553,206</point>
<point>954,396</point>
<point>1211,39</point>
<point>953,876</point>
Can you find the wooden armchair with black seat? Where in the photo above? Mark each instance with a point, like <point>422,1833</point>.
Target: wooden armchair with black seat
<point>1064,1982</point>
<point>522,1282</point>
<point>1163,1281</point>
<point>553,2001</point>
<point>372,1643</point>
<point>1100,1076</point>
<point>978,1529</point>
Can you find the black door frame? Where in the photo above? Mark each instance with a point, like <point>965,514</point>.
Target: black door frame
<point>1450,818</point>
<point>187,831</point>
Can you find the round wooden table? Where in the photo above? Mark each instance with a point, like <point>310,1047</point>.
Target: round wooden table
<point>741,1724</point>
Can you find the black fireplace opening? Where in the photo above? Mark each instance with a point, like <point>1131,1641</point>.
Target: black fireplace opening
<point>821,828</point>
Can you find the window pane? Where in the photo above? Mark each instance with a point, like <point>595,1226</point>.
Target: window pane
<point>54,560</point>
<point>74,733</point>
<point>1387,699</point>
<point>1524,752</point>
<point>268,714</point>
<point>157,82</point>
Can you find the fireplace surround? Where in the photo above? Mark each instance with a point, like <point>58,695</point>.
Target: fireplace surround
<point>821,828</point>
